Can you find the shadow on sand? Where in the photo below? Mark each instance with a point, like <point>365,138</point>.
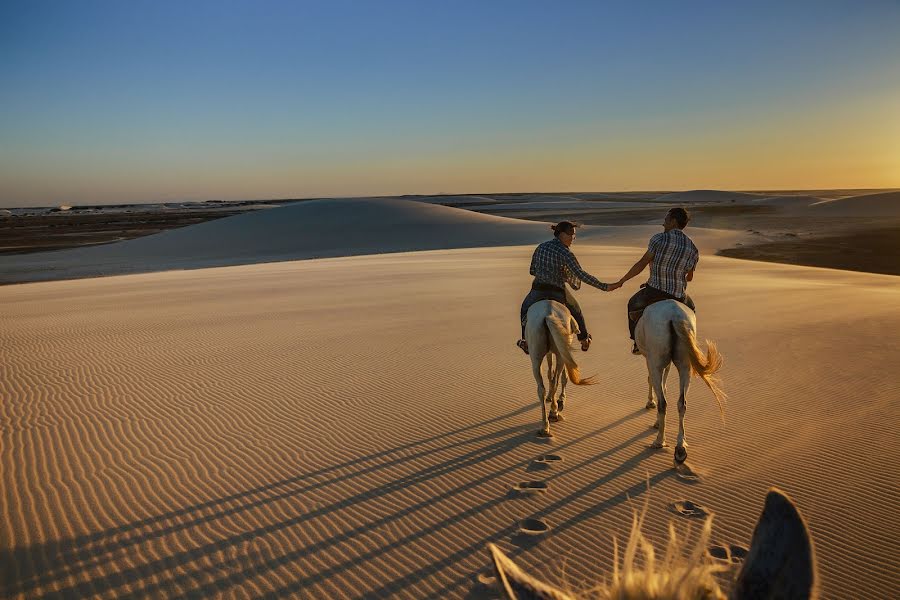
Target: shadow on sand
<point>91,564</point>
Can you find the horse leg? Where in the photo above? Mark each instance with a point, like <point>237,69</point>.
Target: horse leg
<point>651,403</point>
<point>684,376</point>
<point>554,406</point>
<point>561,402</point>
<point>541,391</point>
<point>656,380</point>
<point>549,376</point>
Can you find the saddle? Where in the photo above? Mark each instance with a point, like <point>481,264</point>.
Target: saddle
<point>658,296</point>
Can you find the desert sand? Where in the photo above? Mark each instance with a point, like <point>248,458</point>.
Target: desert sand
<point>361,426</point>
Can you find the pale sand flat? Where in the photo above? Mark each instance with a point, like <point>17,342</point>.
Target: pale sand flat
<point>692,196</point>
<point>882,204</point>
<point>214,433</point>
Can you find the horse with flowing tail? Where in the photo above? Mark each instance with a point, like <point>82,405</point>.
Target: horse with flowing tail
<point>549,329</point>
<point>666,335</point>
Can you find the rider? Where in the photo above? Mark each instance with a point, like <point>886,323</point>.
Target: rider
<point>553,265</point>
<point>672,257</point>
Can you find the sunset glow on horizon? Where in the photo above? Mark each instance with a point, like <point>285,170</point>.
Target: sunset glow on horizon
<point>125,102</point>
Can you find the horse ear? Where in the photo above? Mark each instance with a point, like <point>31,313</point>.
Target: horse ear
<point>781,563</point>
<point>518,585</point>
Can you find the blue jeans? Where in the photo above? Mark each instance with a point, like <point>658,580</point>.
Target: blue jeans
<point>535,296</point>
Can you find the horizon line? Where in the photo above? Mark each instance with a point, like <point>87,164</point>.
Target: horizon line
<point>453,194</point>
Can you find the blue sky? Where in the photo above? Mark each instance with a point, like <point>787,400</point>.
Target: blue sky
<point>133,101</point>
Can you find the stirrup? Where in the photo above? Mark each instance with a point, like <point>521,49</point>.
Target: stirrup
<point>635,350</point>
<point>523,345</point>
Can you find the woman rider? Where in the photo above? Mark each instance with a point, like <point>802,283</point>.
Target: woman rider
<point>553,265</point>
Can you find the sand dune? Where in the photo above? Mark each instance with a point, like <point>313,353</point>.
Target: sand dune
<point>706,196</point>
<point>353,427</point>
<point>885,204</point>
<point>573,206</point>
<point>452,199</point>
<point>786,201</point>
<point>544,198</point>
<point>312,229</point>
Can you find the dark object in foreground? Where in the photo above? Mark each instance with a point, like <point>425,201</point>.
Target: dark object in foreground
<point>781,563</point>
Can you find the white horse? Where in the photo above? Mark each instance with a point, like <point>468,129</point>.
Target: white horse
<point>666,335</point>
<point>548,331</point>
<point>781,563</point>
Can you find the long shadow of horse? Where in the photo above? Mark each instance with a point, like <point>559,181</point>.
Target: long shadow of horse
<point>33,570</point>
<point>26,569</point>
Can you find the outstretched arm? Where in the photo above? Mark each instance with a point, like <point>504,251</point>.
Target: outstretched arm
<point>638,267</point>
<point>583,275</point>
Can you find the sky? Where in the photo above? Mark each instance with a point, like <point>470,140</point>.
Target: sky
<point>155,101</point>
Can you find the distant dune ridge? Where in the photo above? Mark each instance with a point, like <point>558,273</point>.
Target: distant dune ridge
<point>786,201</point>
<point>353,226</point>
<point>879,204</point>
<point>452,199</point>
<point>323,228</point>
<point>309,229</point>
<point>885,204</point>
<point>707,196</point>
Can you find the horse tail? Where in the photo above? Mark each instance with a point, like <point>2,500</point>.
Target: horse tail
<point>704,367</point>
<point>560,333</point>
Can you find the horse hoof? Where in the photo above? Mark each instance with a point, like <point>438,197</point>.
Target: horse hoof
<point>680,455</point>
<point>544,433</point>
<point>560,404</point>
<point>555,418</point>
<point>657,445</point>
<point>650,404</point>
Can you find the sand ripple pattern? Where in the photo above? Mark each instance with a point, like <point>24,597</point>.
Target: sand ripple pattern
<point>350,428</point>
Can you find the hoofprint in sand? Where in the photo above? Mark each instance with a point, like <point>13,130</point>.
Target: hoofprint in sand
<point>354,426</point>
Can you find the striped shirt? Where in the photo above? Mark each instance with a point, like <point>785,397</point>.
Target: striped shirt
<point>674,254</point>
<point>555,264</point>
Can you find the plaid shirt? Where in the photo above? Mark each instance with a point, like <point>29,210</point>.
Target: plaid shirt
<point>555,264</point>
<point>674,254</point>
